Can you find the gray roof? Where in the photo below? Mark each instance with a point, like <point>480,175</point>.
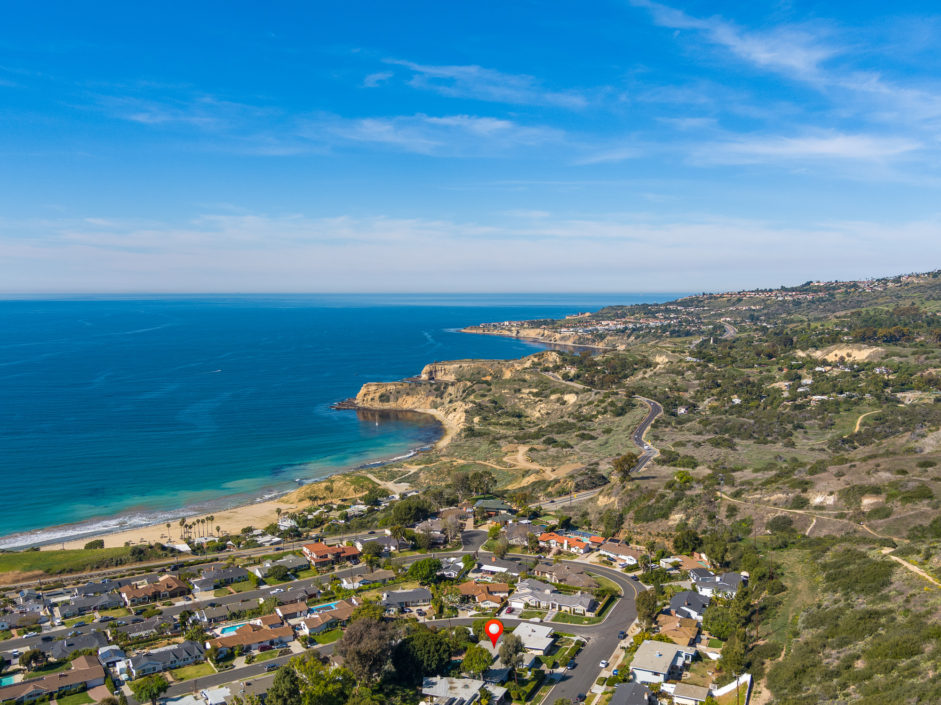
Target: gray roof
<point>225,574</point>
<point>63,648</point>
<point>689,600</point>
<point>691,692</point>
<point>630,694</point>
<point>94,588</point>
<point>167,655</point>
<point>145,625</point>
<point>494,505</point>
<point>405,597</point>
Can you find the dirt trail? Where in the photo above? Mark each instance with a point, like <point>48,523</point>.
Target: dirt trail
<point>811,527</point>
<point>913,568</point>
<point>861,417</point>
<point>393,487</point>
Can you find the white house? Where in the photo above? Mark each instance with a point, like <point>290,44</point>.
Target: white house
<point>657,661</point>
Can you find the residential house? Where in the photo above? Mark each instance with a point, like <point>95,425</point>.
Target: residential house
<point>220,577</point>
<point>621,553</point>
<point>291,563</point>
<point>251,636</point>
<point>387,544</point>
<point>139,628</point>
<point>90,589</point>
<point>85,672</point>
<point>321,555</point>
<point>300,594</point>
<point>434,529</point>
<point>61,649</point>
<point>377,577</point>
<point>632,694</point>
<point>564,543</point>
<point>324,620</point>
<point>78,606</point>
<point>689,604</point>
<point>165,658</point>
<point>536,638</point>
<point>167,587</point>
<point>268,620</point>
<point>534,593</point>
<point>679,630</point>
<point>492,507</point>
<point>398,600</point>
<point>485,595</point>
<point>294,610</point>
<point>109,655</point>
<point>657,661</point>
<point>564,574</point>
<point>517,533</point>
<point>494,566</point>
<point>710,585</point>
<point>441,690</point>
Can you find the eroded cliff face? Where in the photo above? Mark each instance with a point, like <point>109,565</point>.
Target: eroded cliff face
<point>542,335</point>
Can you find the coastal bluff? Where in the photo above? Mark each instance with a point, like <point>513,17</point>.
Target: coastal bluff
<point>440,389</point>
<point>546,336</point>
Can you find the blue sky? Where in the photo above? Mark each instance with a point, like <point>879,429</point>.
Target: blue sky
<point>486,146</point>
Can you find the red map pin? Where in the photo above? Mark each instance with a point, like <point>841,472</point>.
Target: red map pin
<point>494,629</point>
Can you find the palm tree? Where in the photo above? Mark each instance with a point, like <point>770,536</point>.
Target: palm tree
<point>211,518</point>
<point>168,529</point>
<point>218,530</point>
<point>182,525</point>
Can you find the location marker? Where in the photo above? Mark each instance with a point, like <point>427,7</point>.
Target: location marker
<point>494,629</point>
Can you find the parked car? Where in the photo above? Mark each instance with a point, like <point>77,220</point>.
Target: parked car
<point>580,698</point>
<point>622,634</point>
<point>604,663</point>
<point>79,624</point>
<point>264,647</point>
<point>420,613</point>
<point>509,610</point>
<point>28,634</point>
<point>106,618</point>
<point>570,665</point>
<point>277,590</point>
<point>272,667</point>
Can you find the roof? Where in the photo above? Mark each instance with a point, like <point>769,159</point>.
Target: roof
<point>493,505</point>
<point>167,583</point>
<point>168,654</point>
<point>692,692</point>
<point>689,600</point>
<point>398,597</point>
<point>63,648</point>
<point>630,694</point>
<point>250,634</point>
<point>456,689</point>
<point>536,637</point>
<point>54,682</point>
<point>658,656</point>
<point>293,608</point>
<point>620,549</point>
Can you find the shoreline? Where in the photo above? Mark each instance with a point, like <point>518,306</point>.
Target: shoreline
<point>549,344</point>
<point>231,512</point>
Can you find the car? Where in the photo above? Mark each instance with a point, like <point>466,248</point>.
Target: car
<point>570,665</point>
<point>116,692</point>
<point>47,637</point>
<point>509,610</point>
<point>277,590</point>
<point>634,577</point>
<point>79,624</point>
<point>272,667</point>
<point>187,599</point>
<point>278,548</point>
<point>106,618</point>
<point>604,663</point>
<point>265,647</point>
<point>580,698</point>
<point>420,613</point>
<point>622,634</point>
<point>28,634</point>
<point>74,632</point>
<point>370,533</point>
<point>406,610</point>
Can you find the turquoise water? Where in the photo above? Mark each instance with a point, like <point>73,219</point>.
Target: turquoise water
<point>122,412</point>
<point>6,680</point>
<point>231,628</point>
<point>321,608</point>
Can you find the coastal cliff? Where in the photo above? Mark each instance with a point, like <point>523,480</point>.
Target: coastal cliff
<point>540,335</point>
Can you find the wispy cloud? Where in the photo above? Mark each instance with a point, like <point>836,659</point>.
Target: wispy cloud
<point>479,83</point>
<point>538,252</point>
<point>376,79</point>
<point>832,146</point>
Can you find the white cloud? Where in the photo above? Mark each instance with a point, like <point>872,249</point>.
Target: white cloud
<point>538,253</point>
<point>485,84</point>
<point>376,79</point>
<point>830,146</point>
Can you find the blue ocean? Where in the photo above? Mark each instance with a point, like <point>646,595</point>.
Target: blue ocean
<point>116,412</point>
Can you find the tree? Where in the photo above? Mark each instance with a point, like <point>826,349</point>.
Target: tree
<point>32,659</point>
<point>425,571</point>
<point>366,647</point>
<point>278,572</point>
<point>623,465</point>
<point>511,652</point>
<point>733,653</point>
<point>95,543</point>
<point>285,689</point>
<point>686,540</point>
<point>501,547</point>
<point>423,652</point>
<point>476,660</point>
<point>532,543</point>
<point>647,608</point>
<point>368,610</point>
<point>468,561</point>
<point>150,688</point>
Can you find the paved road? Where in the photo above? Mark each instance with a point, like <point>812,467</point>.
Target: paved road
<point>730,331</point>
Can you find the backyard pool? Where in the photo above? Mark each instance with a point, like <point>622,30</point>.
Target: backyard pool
<point>231,628</point>
<point>325,606</point>
<point>6,680</point>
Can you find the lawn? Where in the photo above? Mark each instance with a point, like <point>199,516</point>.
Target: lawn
<point>529,614</point>
<point>265,656</point>
<point>49,669</point>
<point>82,698</point>
<point>243,586</point>
<point>328,637</point>
<point>566,618</point>
<point>197,670</point>
<point>70,561</point>
<point>309,573</point>
<point>119,612</point>
<point>716,643</point>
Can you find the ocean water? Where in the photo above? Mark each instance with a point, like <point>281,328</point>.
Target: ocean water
<point>117,412</point>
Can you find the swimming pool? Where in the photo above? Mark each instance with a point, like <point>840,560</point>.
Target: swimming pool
<point>6,680</point>
<point>231,628</point>
<point>325,606</point>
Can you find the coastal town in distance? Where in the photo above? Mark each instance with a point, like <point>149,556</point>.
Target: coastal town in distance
<point>684,509</point>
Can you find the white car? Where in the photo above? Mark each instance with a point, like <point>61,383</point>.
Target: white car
<point>604,664</point>
<point>31,634</point>
<point>276,591</point>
